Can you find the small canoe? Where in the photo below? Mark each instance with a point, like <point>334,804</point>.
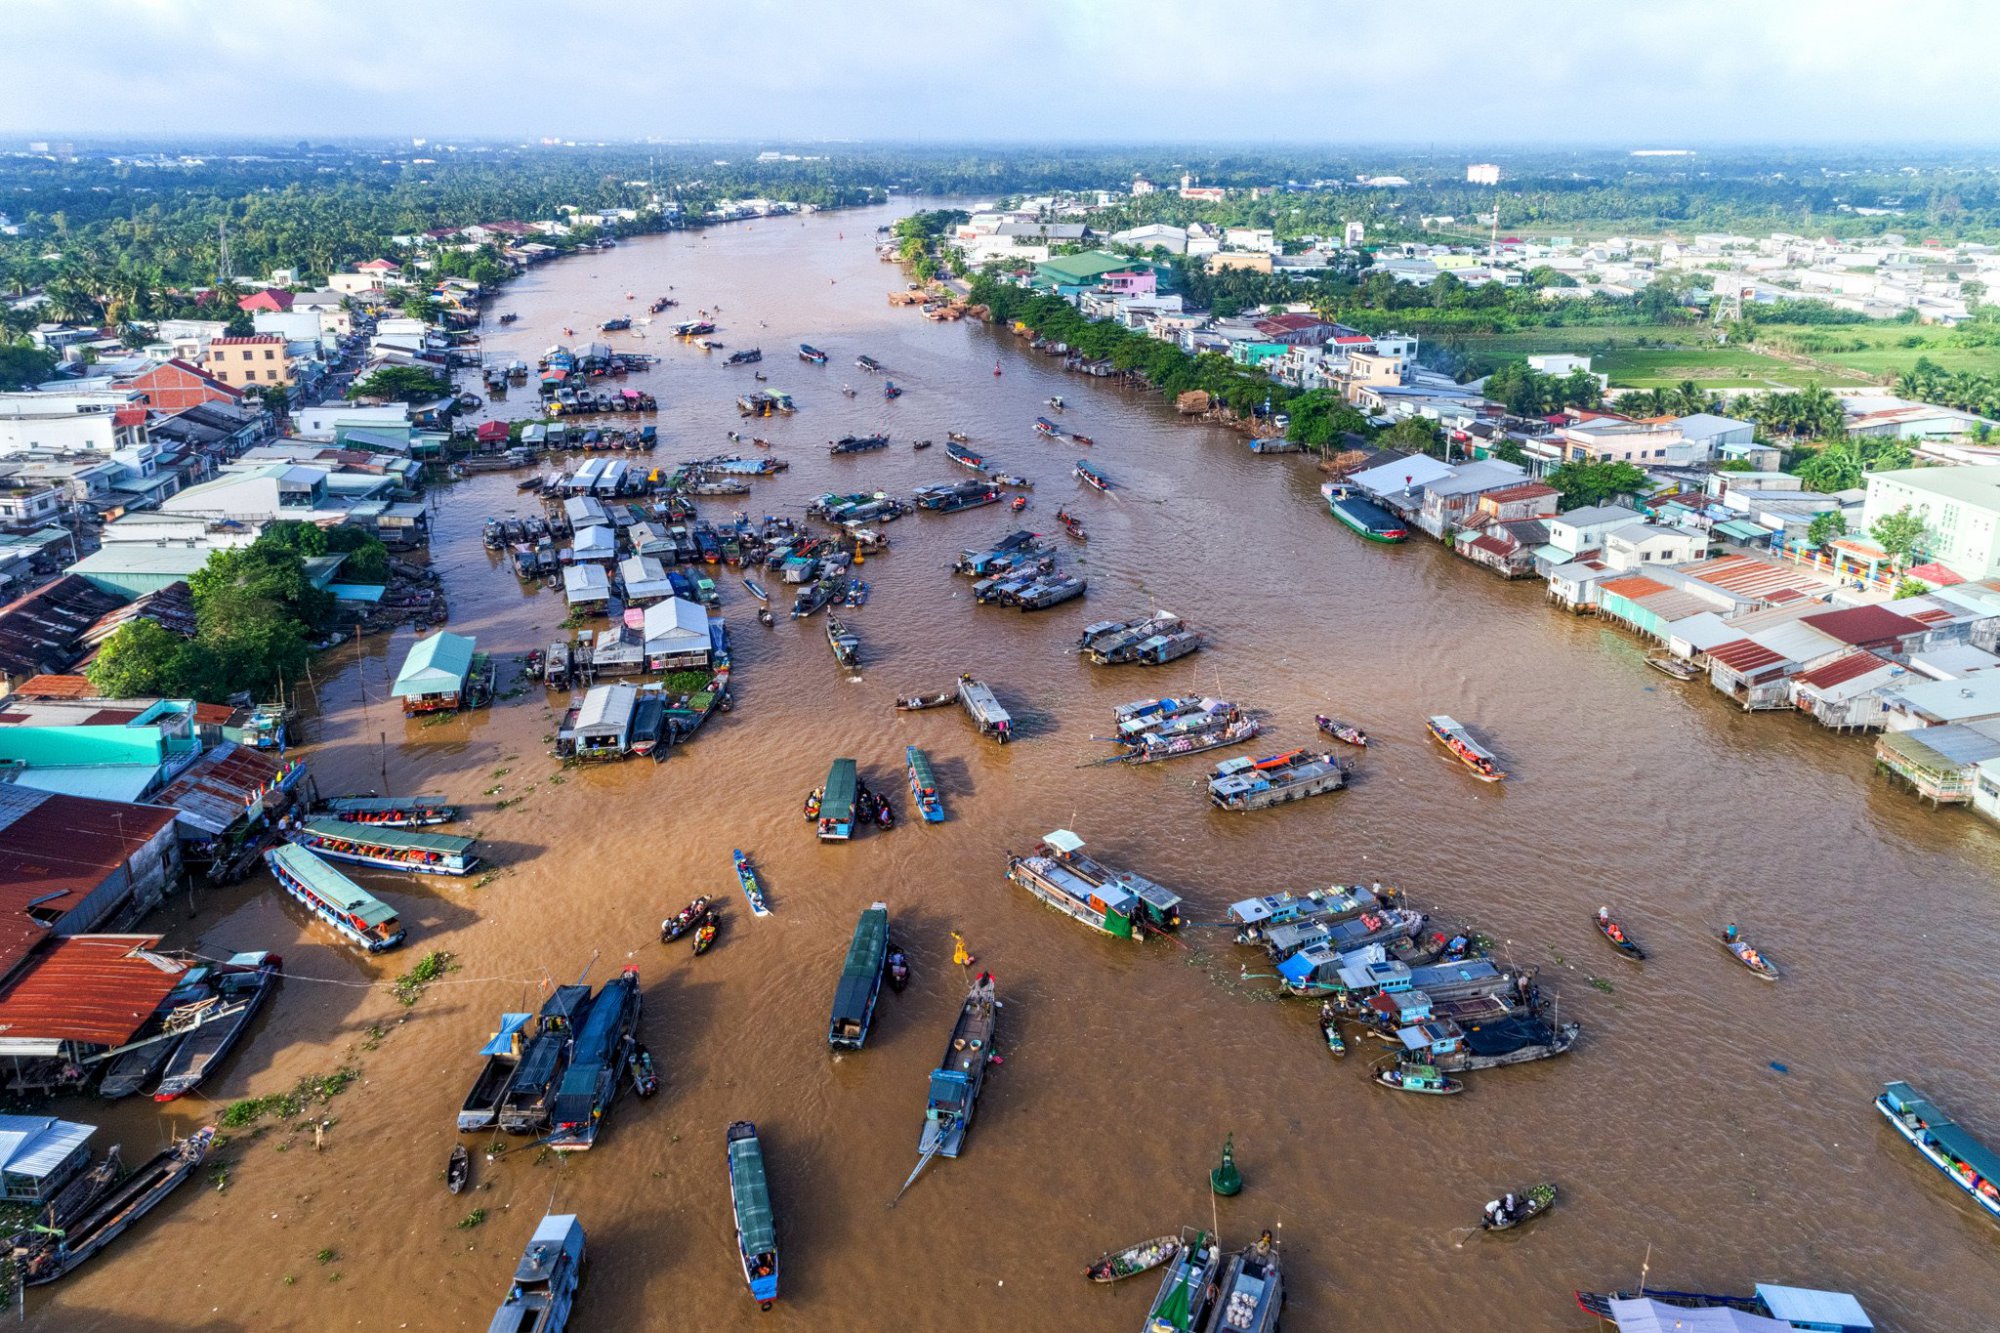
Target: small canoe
<point>1340,731</point>
<point>897,964</point>
<point>1740,949</point>
<point>1615,936</point>
<point>915,702</point>
<point>645,1080</point>
<point>458,1170</point>
<point>1081,439</point>
<point>1116,1265</point>
<point>704,936</point>
<point>757,590</point>
<point>746,875</point>
<point>1534,1201</point>
<point>683,921</point>
<point>1418,1078</point>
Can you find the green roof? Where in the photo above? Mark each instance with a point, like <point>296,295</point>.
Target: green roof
<point>437,665</point>
<point>752,1197</point>
<point>1074,270</point>
<point>399,839</point>
<point>332,887</point>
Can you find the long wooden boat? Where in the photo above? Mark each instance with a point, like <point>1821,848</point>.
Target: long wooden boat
<point>1946,1145</point>
<point>836,802</point>
<point>390,848</point>
<point>1452,734</point>
<point>356,915</point>
<point>1534,1201</point>
<point>860,982</point>
<point>503,1057</point>
<point>1152,748</point>
<point>812,355</point>
<point>127,1202</point>
<point>912,703</point>
<point>746,875</point>
<point>1091,477</point>
<point>392,811</point>
<point>1421,1078</point>
<point>524,1107</point>
<point>1188,1291</point>
<point>1117,1265</point>
<point>244,983</point>
<point>750,1202</point>
<point>1753,959</point>
<point>189,1005</point>
<point>1366,518</point>
<point>1251,1291</point>
<point>543,1291</point>
<point>1341,731</point>
<point>956,1083</point>
<point>844,642</point>
<point>1615,936</point>
<point>965,455</point>
<point>596,1065</point>
<point>1118,903</point>
<point>923,785</point>
<point>1255,784</point>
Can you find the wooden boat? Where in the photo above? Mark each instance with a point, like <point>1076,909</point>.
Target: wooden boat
<point>959,436</point>
<point>1091,477</point>
<point>1532,1203</point>
<point>914,702</point>
<point>1451,734</point>
<point>684,920</point>
<point>1251,1291</point>
<point>356,915</point>
<point>1741,950</point>
<point>1043,426</point>
<point>1256,784</point>
<point>1414,1077</point>
<point>1667,664</point>
<point>965,456</point>
<point>390,848</point>
<point>750,1202</point>
<point>243,984</point>
<point>639,1068</point>
<point>503,1058</point>
<point>747,356</point>
<point>923,785</point>
<point>1615,936</point>
<point>1144,1257</point>
<point>117,1209</point>
<point>72,1201</point>
<point>1119,903</point>
<point>811,354</point>
<point>545,1281</point>
<point>457,1169</point>
<point>596,1071</point>
<point>392,811</point>
<point>860,984</point>
<point>704,935</point>
<point>756,590</point>
<point>1329,1028</point>
<point>1946,1145</point>
<point>956,1083</point>
<point>746,875</point>
<point>1364,517</point>
<point>845,643</point>
<point>897,965</point>
<point>1081,439</point>
<point>920,444</point>
<point>869,364</point>
<point>1340,731</point>
<point>1188,1291</point>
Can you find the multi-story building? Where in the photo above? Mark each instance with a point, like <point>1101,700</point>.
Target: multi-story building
<point>260,361</point>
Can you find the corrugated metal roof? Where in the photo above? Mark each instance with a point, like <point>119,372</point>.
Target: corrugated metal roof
<point>34,1146</point>
<point>1633,587</point>
<point>44,628</point>
<point>1744,657</point>
<point>1864,624</point>
<point>1746,577</point>
<point>54,850</point>
<point>215,788</point>
<point>97,989</point>
<point>1841,670</point>
<point>55,687</point>
<point>1942,749</point>
<point>1798,641</point>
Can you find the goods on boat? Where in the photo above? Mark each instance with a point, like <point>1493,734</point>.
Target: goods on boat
<point>1413,1077</point>
<point>923,785</point>
<point>1741,950</point>
<point>1526,1206</point>
<point>1454,736</point>
<point>503,1058</point>
<point>844,642</point>
<point>1252,1290</point>
<point>1329,1028</point>
<point>457,1169</point>
<point>1188,1291</point>
<point>1117,1265</point>
<point>596,1072</point>
<point>1340,731</point>
<point>242,984</point>
<point>955,1084</point>
<point>1255,784</point>
<point>746,875</point>
<point>1615,936</point>
<point>391,848</point>
<point>898,967</point>
<point>1946,1145</point>
<point>45,1258</point>
<point>393,811</point>
<point>639,1068</point>
<point>1117,902</point>
<point>911,703</point>
<point>750,1202</point>
<point>704,935</point>
<point>860,983</point>
<point>684,920</point>
<point>833,804</point>
<point>545,1281</point>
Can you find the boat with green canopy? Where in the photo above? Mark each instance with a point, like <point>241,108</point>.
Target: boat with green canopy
<point>1945,1144</point>
<point>756,1229</point>
<point>392,811</point>
<point>836,802</point>
<point>1188,1289</point>
<point>923,785</point>
<point>390,848</point>
<point>860,980</point>
<point>358,916</point>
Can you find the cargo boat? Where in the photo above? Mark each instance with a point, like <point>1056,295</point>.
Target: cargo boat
<point>356,915</point>
<point>503,1057</point>
<point>596,1066</point>
<point>956,1083</point>
<point>923,785</point>
<point>1254,784</point>
<point>524,1107</point>
<point>127,1202</point>
<point>1116,902</point>
<point>846,644</point>
<point>860,982</point>
<point>242,984</point>
<point>390,848</point>
<point>750,1202</point>
<point>1365,517</point>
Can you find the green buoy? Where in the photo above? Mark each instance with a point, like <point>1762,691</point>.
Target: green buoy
<point>1226,1180</point>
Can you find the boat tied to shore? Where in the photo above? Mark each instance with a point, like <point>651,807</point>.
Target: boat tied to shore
<point>356,915</point>
<point>391,811</point>
<point>390,848</point>
<point>41,1257</point>
<point>1364,517</point>
<point>243,985</point>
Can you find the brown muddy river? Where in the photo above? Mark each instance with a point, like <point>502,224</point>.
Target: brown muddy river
<point>1671,1126</point>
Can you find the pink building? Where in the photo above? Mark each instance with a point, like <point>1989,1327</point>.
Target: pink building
<point>1131,282</point>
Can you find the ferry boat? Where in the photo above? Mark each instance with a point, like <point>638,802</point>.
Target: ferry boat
<point>242,984</point>
<point>1254,784</point>
<point>860,980</point>
<point>44,1259</point>
<point>965,456</point>
<point>1364,517</point>
<point>1117,902</point>
<point>524,1106</point>
<point>750,1201</point>
<point>1188,1291</point>
<point>956,1083</point>
<point>596,1065</point>
<point>390,848</point>
<point>983,707</point>
<point>503,1057</point>
<point>392,811</point>
<point>1091,477</point>
<point>811,354</point>
<point>1455,738</point>
<point>923,785</point>
<point>857,444</point>
<point>358,916</point>
<point>836,802</point>
<point>1964,1160</point>
<point>545,1281</point>
<point>1252,1290</point>
<point>1043,426</point>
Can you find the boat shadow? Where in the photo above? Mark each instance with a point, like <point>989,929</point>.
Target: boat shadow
<point>68,1315</point>
<point>955,781</point>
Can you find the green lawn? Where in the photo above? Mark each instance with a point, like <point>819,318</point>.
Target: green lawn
<point>1708,367</point>
<point>1889,349</point>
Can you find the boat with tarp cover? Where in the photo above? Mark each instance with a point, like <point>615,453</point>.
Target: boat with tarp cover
<point>358,916</point>
<point>242,985</point>
<point>390,848</point>
<point>545,1281</point>
<point>1188,1291</point>
<point>860,984</point>
<point>836,802</point>
<point>1452,734</point>
<point>923,785</point>
<point>1791,1307</point>
<point>1116,902</point>
<point>750,1201</point>
<point>596,1066</point>
<point>503,1056</point>
<point>392,811</point>
<point>1945,1144</point>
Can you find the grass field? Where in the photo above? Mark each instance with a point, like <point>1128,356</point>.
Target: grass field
<point>1616,350</point>
<point>1890,349</point>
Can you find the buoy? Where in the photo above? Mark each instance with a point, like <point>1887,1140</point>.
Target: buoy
<point>1225,1179</point>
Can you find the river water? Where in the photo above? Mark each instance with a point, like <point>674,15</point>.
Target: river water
<point>1718,1124</point>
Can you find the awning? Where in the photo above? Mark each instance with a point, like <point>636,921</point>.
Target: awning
<point>503,1040</point>
<point>1743,530</point>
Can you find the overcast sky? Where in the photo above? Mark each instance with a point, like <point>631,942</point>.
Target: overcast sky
<point>1658,72</point>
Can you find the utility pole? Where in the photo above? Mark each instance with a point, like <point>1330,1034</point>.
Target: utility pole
<point>222,266</point>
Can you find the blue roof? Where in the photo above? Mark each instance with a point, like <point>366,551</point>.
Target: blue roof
<point>34,1146</point>
<point>1814,1309</point>
<point>503,1040</point>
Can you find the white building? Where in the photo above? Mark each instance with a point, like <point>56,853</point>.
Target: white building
<point>1482,173</point>
<point>1961,506</point>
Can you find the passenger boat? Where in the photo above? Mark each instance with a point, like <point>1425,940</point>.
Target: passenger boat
<point>524,1106</point>
<point>503,1057</point>
<point>1615,936</point>
<point>1091,477</point>
<point>983,707</point>
<point>1478,760</point>
<point>1740,949</point>
<point>1254,784</point>
<point>1415,1076</point>
<point>684,920</point>
<point>1043,426</point>
<point>457,1169</point>
<point>1533,1202</point>
<point>846,644</point>
<point>857,444</point>
<point>923,785</point>
<point>1252,1290</point>
<point>745,357</point>
<point>860,983</point>
<point>1791,1307</point>
<point>356,915</point>
<point>914,702</point>
<point>115,1210</point>
<point>545,1281</point>
<point>390,848</point>
<point>1144,1257</point>
<point>596,1065</point>
<point>1187,1294</point>
<point>956,1083</point>
<point>750,1201</point>
<point>1946,1145</point>
<point>1117,902</point>
<point>835,808</point>
<point>1365,517</point>
<point>1081,439</point>
<point>1340,731</point>
<point>965,456</point>
<point>243,984</point>
<point>746,875</point>
<point>392,811</point>
<point>811,354</point>
<point>869,364</point>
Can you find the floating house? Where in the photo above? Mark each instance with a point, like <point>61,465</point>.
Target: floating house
<point>38,1156</point>
<point>436,675</point>
<point>601,726</point>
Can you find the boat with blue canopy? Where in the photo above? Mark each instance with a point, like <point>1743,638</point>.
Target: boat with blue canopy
<point>1945,1144</point>
<point>503,1056</point>
<point>750,1200</point>
<point>596,1065</point>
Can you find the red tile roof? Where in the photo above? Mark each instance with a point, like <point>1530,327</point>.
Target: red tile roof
<point>1842,669</point>
<point>271,298</point>
<point>129,416</point>
<point>1741,655</point>
<point>97,989</point>
<point>1935,574</point>
<point>56,687</point>
<point>1864,625</point>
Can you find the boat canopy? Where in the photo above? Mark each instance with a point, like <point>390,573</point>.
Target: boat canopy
<point>502,1042</point>
<point>330,886</point>
<point>1942,1129</point>
<point>385,804</point>
<point>1646,1315</point>
<point>947,1089</point>
<point>862,972</point>
<point>838,800</point>
<point>1802,1307</point>
<point>394,839</point>
<point>752,1196</point>
<point>1069,844</point>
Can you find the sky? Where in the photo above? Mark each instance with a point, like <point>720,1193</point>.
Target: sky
<point>1674,73</point>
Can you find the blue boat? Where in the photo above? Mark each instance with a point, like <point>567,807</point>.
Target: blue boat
<point>1091,477</point>
<point>860,980</point>
<point>956,1083</point>
<point>756,1228</point>
<point>809,353</point>
<point>746,875</point>
<point>545,1280</point>
<point>923,785</point>
<point>596,1065</point>
<point>1964,1160</point>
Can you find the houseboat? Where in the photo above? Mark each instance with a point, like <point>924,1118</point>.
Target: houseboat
<point>503,1057</point>
<point>983,707</point>
<point>44,1259</point>
<point>1253,784</point>
<point>857,444</point>
<point>1117,902</point>
<point>955,497</point>
<point>1256,916</point>
<point>356,915</point>
<point>811,355</point>
<point>524,1107</point>
<point>835,809</point>
<point>1964,1160</point>
<point>242,985</point>
<point>596,1065</point>
<point>1153,748</point>
<point>750,1201</point>
<point>1478,760</point>
<point>955,1084</point>
<point>1091,477</point>
<point>860,980</point>
<point>1365,517</point>
<point>1789,1307</point>
<point>391,811</point>
<point>390,848</point>
<point>965,456</point>
<point>846,644</point>
<point>923,785</point>
<point>545,1281</point>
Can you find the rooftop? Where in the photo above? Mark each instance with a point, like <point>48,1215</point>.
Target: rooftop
<point>95,989</point>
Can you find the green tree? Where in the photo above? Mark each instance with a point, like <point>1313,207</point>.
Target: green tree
<point>140,657</point>
<point>1909,587</point>
<point>1414,435</point>
<point>22,365</point>
<point>240,325</point>
<point>1507,451</point>
<point>1902,535</point>
<point>1825,527</point>
<point>1595,482</point>
<point>402,384</point>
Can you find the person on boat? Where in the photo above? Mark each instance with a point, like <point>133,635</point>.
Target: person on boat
<point>1752,957</point>
<point>1493,1211</point>
<point>1729,933</point>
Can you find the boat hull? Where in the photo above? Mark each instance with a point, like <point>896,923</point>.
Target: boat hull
<point>1914,1136</point>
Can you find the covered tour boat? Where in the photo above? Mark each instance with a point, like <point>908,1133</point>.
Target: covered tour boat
<point>923,785</point>
<point>356,915</point>
<point>1946,1145</point>
<point>1454,736</point>
<point>390,848</point>
<point>750,1200</point>
<point>392,811</point>
<point>836,802</point>
<point>860,982</point>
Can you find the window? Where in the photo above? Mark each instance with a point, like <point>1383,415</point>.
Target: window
<point>267,354</point>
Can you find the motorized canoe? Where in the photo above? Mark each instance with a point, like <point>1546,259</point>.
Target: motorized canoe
<point>1117,1265</point>
<point>1615,936</point>
<point>1743,952</point>
<point>1531,1204</point>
